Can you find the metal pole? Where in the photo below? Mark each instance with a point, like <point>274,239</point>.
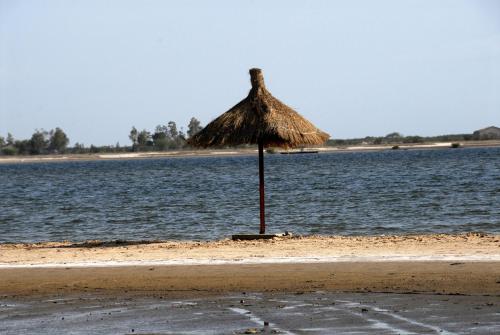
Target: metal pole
<point>261,189</point>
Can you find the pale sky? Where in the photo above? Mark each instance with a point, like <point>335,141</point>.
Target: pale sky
<point>354,68</point>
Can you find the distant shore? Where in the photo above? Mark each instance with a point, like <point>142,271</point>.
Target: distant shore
<point>434,263</point>
<point>227,152</point>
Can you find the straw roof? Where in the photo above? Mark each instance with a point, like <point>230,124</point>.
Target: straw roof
<point>259,117</point>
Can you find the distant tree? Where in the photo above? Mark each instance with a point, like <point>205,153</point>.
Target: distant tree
<point>180,141</point>
<point>39,142</point>
<point>23,147</point>
<point>133,136</point>
<point>10,139</point>
<point>162,143</point>
<point>194,127</point>
<point>9,151</point>
<point>164,137</point>
<point>143,138</point>
<point>172,130</point>
<point>2,141</point>
<point>413,139</point>
<point>394,135</point>
<point>58,140</point>
<point>182,135</point>
<point>161,129</point>
<point>102,148</point>
<point>79,148</point>
<point>160,137</point>
<point>335,142</point>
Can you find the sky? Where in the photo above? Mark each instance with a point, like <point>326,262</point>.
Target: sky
<point>354,68</point>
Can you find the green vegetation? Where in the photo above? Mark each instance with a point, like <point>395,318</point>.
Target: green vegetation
<point>397,138</point>
<point>41,142</point>
<point>165,137</point>
<point>194,127</point>
<point>169,137</point>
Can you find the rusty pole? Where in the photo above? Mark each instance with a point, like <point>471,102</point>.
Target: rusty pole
<point>261,189</point>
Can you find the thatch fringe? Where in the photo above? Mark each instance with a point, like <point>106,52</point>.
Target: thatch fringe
<point>259,117</point>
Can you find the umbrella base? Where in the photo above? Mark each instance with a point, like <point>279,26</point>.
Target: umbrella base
<point>247,237</point>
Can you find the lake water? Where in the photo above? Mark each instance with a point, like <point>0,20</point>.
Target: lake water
<point>387,192</point>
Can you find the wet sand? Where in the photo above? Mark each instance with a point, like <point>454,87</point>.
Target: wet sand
<point>437,263</point>
<point>195,280</point>
<point>412,284</point>
<point>249,313</point>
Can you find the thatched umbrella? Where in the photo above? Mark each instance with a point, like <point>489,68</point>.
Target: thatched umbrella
<point>260,119</point>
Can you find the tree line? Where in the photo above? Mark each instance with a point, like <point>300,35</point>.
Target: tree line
<point>169,137</point>
<point>164,137</point>
<point>397,138</point>
<point>55,141</point>
<point>41,142</point>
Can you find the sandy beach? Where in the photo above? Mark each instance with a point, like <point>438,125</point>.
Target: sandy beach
<point>122,156</point>
<point>437,263</point>
<point>224,152</point>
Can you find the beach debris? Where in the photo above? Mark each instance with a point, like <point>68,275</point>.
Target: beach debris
<point>260,119</point>
<point>250,237</point>
<point>475,234</point>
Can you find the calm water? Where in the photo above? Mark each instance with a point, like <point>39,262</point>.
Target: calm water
<point>390,192</point>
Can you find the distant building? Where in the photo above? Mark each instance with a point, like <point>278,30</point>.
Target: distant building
<point>489,133</point>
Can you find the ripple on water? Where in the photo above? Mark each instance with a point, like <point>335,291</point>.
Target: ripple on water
<point>211,197</point>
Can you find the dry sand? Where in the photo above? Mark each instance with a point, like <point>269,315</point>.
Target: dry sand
<point>451,264</point>
<point>470,247</point>
<point>224,152</point>
<point>123,156</point>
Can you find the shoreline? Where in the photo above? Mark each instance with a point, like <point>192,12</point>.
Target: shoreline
<point>227,152</point>
<point>473,247</point>
<point>271,261</point>
<point>437,264</point>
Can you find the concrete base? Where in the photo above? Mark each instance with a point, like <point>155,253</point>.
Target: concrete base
<point>247,237</point>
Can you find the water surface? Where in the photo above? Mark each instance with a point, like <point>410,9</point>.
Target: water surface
<point>386,192</point>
